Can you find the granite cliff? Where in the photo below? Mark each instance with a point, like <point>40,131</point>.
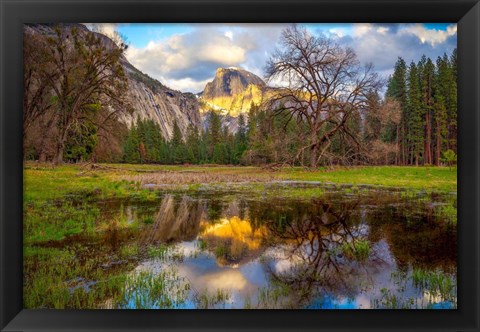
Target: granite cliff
<point>149,98</point>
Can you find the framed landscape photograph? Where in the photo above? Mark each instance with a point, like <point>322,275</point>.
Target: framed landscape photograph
<point>307,166</point>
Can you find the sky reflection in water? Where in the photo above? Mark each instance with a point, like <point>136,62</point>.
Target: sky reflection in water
<point>335,252</point>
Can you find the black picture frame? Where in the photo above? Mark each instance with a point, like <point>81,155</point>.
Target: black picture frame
<point>13,14</point>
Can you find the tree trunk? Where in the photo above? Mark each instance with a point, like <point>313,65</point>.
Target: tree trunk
<point>59,154</point>
<point>43,154</point>
<point>314,148</point>
<point>428,138</point>
<point>24,139</point>
<point>438,145</point>
<point>314,155</point>
<point>60,148</point>
<point>404,146</point>
<point>43,157</point>
<point>397,149</point>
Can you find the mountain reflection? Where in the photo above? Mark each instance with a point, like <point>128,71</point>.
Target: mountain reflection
<point>318,252</point>
<point>312,231</point>
<point>177,219</point>
<point>233,239</point>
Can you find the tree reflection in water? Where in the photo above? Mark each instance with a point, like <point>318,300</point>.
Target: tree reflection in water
<point>302,252</point>
<point>310,247</point>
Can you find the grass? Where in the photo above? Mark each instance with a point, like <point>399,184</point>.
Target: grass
<point>161,251</point>
<point>46,182</point>
<point>207,300</point>
<point>165,252</point>
<point>417,178</point>
<point>202,245</point>
<point>449,212</point>
<point>435,282</point>
<point>359,250</point>
<point>193,178</point>
<point>53,278</point>
<point>129,250</point>
<point>421,178</point>
<point>65,278</point>
<point>389,300</point>
<point>148,220</point>
<point>56,221</point>
<point>272,296</point>
<point>437,289</point>
<point>145,290</point>
<point>61,201</point>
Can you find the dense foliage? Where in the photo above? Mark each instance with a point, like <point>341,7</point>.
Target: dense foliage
<point>414,124</point>
<point>74,93</point>
<point>427,95</point>
<point>215,144</point>
<point>333,112</point>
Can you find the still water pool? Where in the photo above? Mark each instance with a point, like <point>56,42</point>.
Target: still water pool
<point>341,250</point>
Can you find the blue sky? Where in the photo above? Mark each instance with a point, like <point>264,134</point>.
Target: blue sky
<point>185,56</point>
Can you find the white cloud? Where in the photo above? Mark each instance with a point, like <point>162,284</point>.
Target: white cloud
<point>188,61</point>
<point>229,35</point>
<point>382,44</point>
<point>383,30</point>
<point>186,84</point>
<point>365,29</point>
<point>361,29</point>
<point>184,61</point>
<point>339,32</point>
<point>431,36</point>
<point>227,55</point>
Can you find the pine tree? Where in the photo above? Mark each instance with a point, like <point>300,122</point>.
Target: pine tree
<point>240,142</point>
<point>214,133</point>
<point>193,145</point>
<point>414,122</point>
<point>131,147</point>
<point>143,153</point>
<point>176,135</point>
<point>440,108</point>
<point>252,121</point>
<point>397,89</point>
<point>203,156</point>
<point>452,101</point>
<point>219,153</point>
<point>177,145</point>
<point>427,83</point>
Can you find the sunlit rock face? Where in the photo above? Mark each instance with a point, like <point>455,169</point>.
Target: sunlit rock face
<point>232,91</point>
<point>234,240</point>
<point>149,98</point>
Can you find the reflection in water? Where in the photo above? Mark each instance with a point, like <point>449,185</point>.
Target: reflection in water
<point>233,239</point>
<point>377,249</point>
<point>327,253</point>
<point>315,256</point>
<point>176,220</point>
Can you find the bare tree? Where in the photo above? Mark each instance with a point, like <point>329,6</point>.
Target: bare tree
<point>118,38</point>
<point>324,85</point>
<point>87,78</point>
<point>37,93</point>
<point>391,114</point>
<point>382,130</point>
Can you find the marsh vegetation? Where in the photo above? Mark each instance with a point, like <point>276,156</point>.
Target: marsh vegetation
<point>313,187</point>
<point>109,239</point>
